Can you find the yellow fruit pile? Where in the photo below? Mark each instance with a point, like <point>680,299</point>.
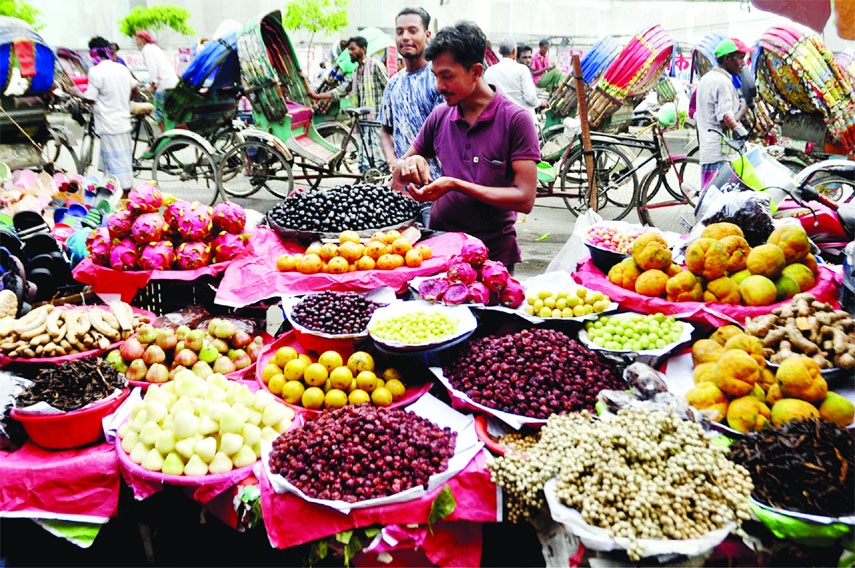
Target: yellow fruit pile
<point>330,382</point>
<point>384,251</point>
<point>732,383</point>
<point>566,304</point>
<point>721,267</point>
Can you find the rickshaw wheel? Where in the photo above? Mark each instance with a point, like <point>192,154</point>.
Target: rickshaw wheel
<point>374,175</point>
<point>184,168</point>
<point>249,166</point>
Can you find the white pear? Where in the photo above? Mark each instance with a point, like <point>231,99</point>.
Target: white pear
<point>152,461</point>
<point>232,393</point>
<point>254,417</point>
<point>261,399</point>
<point>256,447</point>
<point>220,464</point>
<point>245,396</point>
<point>173,464</point>
<point>186,424</point>
<point>273,414</point>
<point>206,448</point>
<point>195,467</point>
<point>135,409</point>
<point>218,380</point>
<point>165,442</point>
<point>216,410</point>
<point>168,423</point>
<point>186,447</point>
<point>129,441</point>
<point>182,405</point>
<point>123,430</point>
<point>139,452</point>
<point>215,394</point>
<point>230,443</point>
<point>243,410</point>
<point>283,425</point>
<point>232,421</point>
<point>251,433</point>
<point>154,393</point>
<point>268,434</point>
<point>207,425</point>
<point>149,433</point>
<point>244,457</point>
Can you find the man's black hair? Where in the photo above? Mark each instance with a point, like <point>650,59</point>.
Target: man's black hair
<point>359,41</point>
<point>523,48</point>
<point>98,41</point>
<point>420,12</point>
<point>464,41</point>
<point>543,42</point>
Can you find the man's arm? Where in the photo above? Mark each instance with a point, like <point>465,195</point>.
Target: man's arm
<point>342,90</point>
<point>388,145</point>
<point>529,91</point>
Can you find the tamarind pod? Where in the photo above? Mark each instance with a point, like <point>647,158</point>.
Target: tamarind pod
<point>110,319</point>
<point>79,346</point>
<point>124,314</point>
<point>35,318</point>
<point>53,322</point>
<point>99,325</point>
<point>71,317</point>
<point>34,332</point>
<point>61,333</point>
<point>28,353</point>
<point>41,339</point>
<point>88,340</point>
<point>66,345</point>
<point>103,343</point>
<point>83,323</point>
<point>10,345</point>
<point>39,349</point>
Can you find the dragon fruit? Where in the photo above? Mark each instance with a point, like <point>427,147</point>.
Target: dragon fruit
<point>157,256</point>
<point>145,198</point>
<point>230,217</point>
<point>226,246</point>
<point>192,255</point>
<point>456,294</point>
<point>174,212</point>
<point>432,289</point>
<point>460,272</point>
<point>513,294</point>
<point>196,223</point>
<point>98,243</point>
<point>494,275</point>
<point>148,228</point>
<point>119,224</point>
<point>479,293</point>
<point>474,254</point>
<point>124,255</point>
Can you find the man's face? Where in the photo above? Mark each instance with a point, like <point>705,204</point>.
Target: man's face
<point>525,57</point>
<point>734,63</point>
<point>453,81</point>
<point>544,49</point>
<point>356,52</point>
<point>140,42</point>
<point>410,36</point>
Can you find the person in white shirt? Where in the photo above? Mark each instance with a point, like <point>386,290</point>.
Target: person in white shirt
<point>161,72</point>
<point>513,79</point>
<point>111,87</point>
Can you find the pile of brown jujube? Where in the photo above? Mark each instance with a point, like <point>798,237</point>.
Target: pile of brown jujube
<point>72,385</point>
<point>533,373</point>
<point>335,313</point>
<point>362,452</point>
<point>804,465</point>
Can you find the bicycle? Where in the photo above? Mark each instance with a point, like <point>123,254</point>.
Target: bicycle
<point>265,161</point>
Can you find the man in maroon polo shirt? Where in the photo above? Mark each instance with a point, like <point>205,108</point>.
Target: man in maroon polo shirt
<point>487,146</point>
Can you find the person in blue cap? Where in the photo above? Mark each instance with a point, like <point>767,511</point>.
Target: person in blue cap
<point>719,108</point>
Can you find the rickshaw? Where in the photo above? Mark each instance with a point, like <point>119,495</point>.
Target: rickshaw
<point>27,73</point>
<point>284,134</point>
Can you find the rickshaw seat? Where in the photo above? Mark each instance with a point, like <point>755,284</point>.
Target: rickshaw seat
<point>299,113</point>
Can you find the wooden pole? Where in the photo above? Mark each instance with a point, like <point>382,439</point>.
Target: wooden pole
<point>582,113</point>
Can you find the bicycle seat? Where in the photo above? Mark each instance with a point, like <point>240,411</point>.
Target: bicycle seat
<point>361,111</point>
<point>141,108</point>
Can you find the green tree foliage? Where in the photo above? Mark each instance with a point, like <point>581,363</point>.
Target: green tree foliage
<point>156,18</point>
<point>315,16</point>
<point>23,11</point>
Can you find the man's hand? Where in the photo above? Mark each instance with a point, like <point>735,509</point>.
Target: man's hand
<point>410,172</point>
<point>433,190</point>
<point>740,132</point>
<point>151,88</point>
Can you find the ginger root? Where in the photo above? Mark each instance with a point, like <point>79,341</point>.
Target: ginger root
<point>801,342</point>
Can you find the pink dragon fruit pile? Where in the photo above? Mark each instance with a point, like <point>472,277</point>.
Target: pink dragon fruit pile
<point>472,278</point>
<point>158,232</point>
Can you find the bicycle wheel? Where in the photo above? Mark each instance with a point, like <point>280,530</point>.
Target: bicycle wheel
<point>184,168</point>
<point>834,187</point>
<point>59,156</point>
<point>616,182</point>
<point>86,154</point>
<point>335,133</point>
<point>664,211</point>
<point>143,140</point>
<point>223,140</point>
<point>252,165</point>
<point>554,144</point>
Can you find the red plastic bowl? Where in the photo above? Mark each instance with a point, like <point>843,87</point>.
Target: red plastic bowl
<point>69,429</point>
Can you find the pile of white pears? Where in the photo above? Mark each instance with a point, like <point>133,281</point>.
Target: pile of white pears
<point>193,426</point>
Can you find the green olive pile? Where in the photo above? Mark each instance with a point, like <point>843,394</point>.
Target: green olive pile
<point>344,207</point>
<point>639,475</point>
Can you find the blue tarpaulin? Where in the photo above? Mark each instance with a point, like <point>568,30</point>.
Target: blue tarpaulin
<point>216,65</point>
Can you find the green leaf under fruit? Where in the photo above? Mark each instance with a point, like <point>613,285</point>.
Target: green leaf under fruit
<point>442,506</point>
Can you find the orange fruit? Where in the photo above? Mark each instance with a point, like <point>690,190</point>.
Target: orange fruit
<point>315,375</point>
<point>338,265</point>
<point>283,355</point>
<point>379,236</point>
<point>328,251</point>
<point>425,251</point>
<point>358,396</point>
<point>413,258</point>
<point>351,251</point>
<point>348,237</point>
<point>314,248</point>
<point>360,361</point>
<point>331,359</point>
<point>381,397</point>
<point>374,249</point>
<point>313,398</point>
<point>286,263</point>
<point>401,246</point>
<point>391,236</point>
<point>310,264</point>
<point>365,263</point>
